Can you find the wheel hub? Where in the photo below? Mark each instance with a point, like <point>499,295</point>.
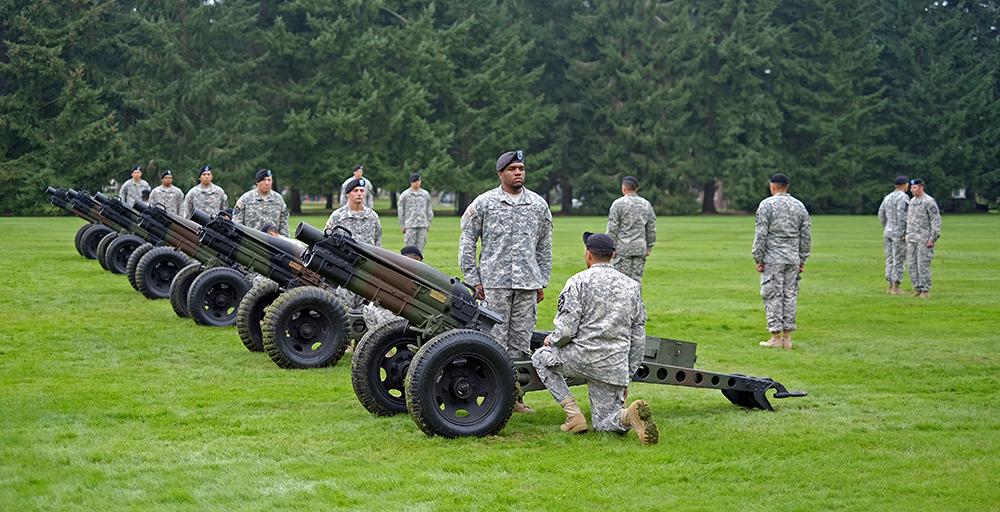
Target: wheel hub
<point>462,388</point>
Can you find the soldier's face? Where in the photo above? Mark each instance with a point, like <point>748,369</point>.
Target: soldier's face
<point>512,176</point>
<point>205,178</point>
<point>264,185</point>
<point>918,190</point>
<point>136,175</point>
<point>167,181</point>
<point>415,184</point>
<point>357,195</point>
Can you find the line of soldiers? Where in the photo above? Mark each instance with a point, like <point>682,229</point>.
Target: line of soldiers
<point>910,230</point>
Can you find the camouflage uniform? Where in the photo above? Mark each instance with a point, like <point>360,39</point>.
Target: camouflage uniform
<point>171,198</point>
<point>415,214</point>
<point>369,192</point>
<point>254,211</point>
<point>892,215</point>
<point>364,225</point>
<point>132,192</point>
<point>632,226</point>
<point>600,336</point>
<point>782,241</point>
<point>377,315</point>
<point>211,200</point>
<point>923,223</point>
<point>515,260</point>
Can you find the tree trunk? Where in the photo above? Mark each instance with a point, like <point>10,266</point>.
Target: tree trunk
<point>566,198</point>
<point>330,199</point>
<point>392,200</point>
<point>462,202</point>
<point>708,197</point>
<point>295,201</point>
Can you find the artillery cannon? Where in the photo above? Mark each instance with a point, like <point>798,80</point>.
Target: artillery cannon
<point>60,197</point>
<point>89,236</point>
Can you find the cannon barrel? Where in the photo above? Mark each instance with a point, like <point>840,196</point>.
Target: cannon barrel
<point>60,197</point>
<point>122,214</point>
<point>179,233</point>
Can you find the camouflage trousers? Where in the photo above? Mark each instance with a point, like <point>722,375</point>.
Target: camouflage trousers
<point>632,266</point>
<point>517,308</point>
<point>376,315</point>
<point>895,257</point>
<point>606,400</point>
<point>416,237</point>
<point>918,258</point>
<point>779,287</point>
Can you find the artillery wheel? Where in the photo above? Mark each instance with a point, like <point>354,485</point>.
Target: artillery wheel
<point>305,327</point>
<point>251,313</point>
<point>133,262</point>
<point>214,296</point>
<point>461,383</point>
<point>79,237</point>
<point>156,269</point>
<point>117,253</point>
<point>91,238</point>
<point>102,249</point>
<point>378,369</point>
<point>179,287</point>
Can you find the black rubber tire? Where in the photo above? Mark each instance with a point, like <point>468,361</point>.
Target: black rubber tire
<point>102,248</point>
<point>133,262</point>
<point>305,327</point>
<point>91,238</point>
<point>79,236</point>
<point>180,286</point>
<point>461,383</point>
<point>215,295</point>
<point>378,369</point>
<point>117,253</point>
<point>156,269</point>
<point>250,314</point>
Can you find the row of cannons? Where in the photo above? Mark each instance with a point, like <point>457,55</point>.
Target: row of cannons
<point>437,361</point>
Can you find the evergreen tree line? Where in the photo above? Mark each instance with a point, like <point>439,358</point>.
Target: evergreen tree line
<point>689,96</point>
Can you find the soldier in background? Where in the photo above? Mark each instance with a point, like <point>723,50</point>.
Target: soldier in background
<point>131,190</point>
<point>360,220</point>
<point>600,336</point>
<point>514,225</point>
<point>923,228</point>
<point>781,244</point>
<point>632,225</point>
<point>892,215</point>
<point>415,213</point>
<point>167,195</point>
<point>205,196</point>
<point>261,205</point>
<point>359,172</point>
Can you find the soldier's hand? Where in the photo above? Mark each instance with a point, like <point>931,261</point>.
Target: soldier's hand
<point>802,267</point>
<point>480,293</point>
<point>402,230</point>
<point>930,244</point>
<point>760,267</point>
<point>539,295</point>
<point>625,397</point>
<point>546,342</point>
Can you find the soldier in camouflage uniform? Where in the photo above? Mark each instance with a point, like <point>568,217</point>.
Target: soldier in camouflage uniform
<point>415,213</point>
<point>600,336</point>
<point>781,244</point>
<point>205,196</point>
<point>514,225</point>
<point>923,228</point>
<point>167,195</point>
<point>632,225</point>
<point>261,205</point>
<point>131,190</point>
<point>359,172</point>
<point>892,215</point>
<point>361,221</point>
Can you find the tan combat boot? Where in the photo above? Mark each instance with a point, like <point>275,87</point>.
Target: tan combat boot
<point>892,289</point>
<point>924,295</point>
<point>576,422</point>
<point>786,340</point>
<point>774,342</point>
<point>522,408</point>
<point>640,418</point>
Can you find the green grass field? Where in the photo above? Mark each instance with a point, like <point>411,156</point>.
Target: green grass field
<point>109,401</point>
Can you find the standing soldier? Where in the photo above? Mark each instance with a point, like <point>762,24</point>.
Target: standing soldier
<point>359,171</point>
<point>261,205</point>
<point>923,228</point>
<point>781,244</point>
<point>415,213</point>
<point>600,336</point>
<point>892,215</point>
<point>515,261</point>
<point>131,190</point>
<point>205,196</point>
<point>632,226</point>
<point>361,221</point>
<point>167,195</point>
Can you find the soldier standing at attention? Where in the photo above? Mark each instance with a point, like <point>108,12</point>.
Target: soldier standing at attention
<point>205,196</point>
<point>167,195</point>
<point>892,215</point>
<point>359,171</point>
<point>514,226</point>
<point>131,190</point>
<point>415,213</point>
<point>923,228</point>
<point>632,226</point>
<point>781,244</point>
<point>360,220</point>
<point>261,206</point>
<point>600,336</point>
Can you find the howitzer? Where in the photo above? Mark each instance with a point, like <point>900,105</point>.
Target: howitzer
<point>115,249</point>
<point>440,364</point>
<point>86,247</point>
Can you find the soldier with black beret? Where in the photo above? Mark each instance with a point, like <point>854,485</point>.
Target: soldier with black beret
<point>415,213</point>
<point>360,220</point>
<point>923,228</point>
<point>261,205</point>
<point>167,195</point>
<point>131,190</point>
<point>205,196</point>
<point>632,225</point>
<point>892,215</point>
<point>359,172</point>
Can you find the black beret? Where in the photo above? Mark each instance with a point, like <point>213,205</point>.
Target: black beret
<point>409,249</point>
<point>414,177</point>
<point>631,181</point>
<point>166,173</point>
<point>136,168</point>
<point>509,158</point>
<point>356,167</point>
<point>916,181</point>
<point>780,179</point>
<point>901,180</point>
<point>261,174</point>
<point>353,184</point>
<point>204,169</point>
<point>598,242</point>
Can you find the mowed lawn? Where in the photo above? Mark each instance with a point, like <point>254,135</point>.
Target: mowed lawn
<point>109,401</point>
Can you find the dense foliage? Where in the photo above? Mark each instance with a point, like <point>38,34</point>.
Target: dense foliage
<point>688,96</point>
